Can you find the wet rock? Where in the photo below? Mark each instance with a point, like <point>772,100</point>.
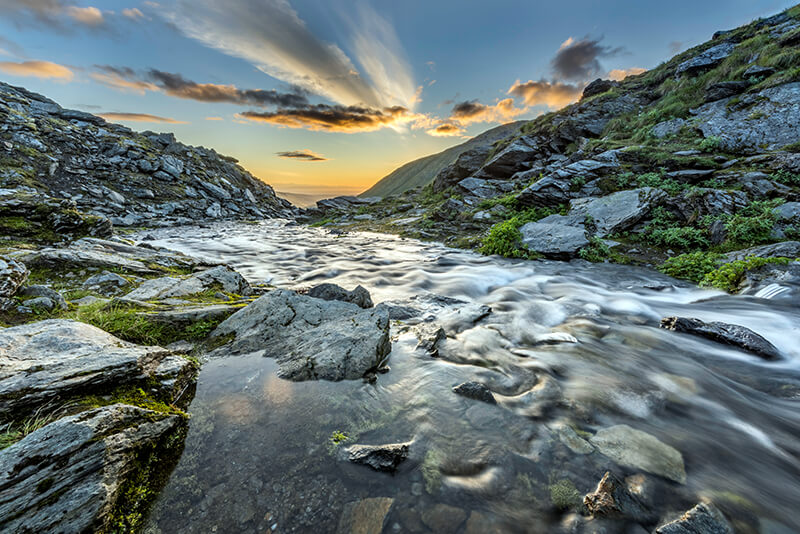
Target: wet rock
<point>702,519</point>
<point>612,499</point>
<point>639,450</point>
<point>476,391</point>
<point>379,457</point>
<point>364,517</point>
<point>169,287</point>
<point>554,240</point>
<point>554,338</point>
<point>312,339</point>
<point>59,358</point>
<point>358,296</point>
<point>706,60</point>
<point>43,292</point>
<point>786,249</point>
<point>12,275</point>
<point>573,441</point>
<point>619,211</point>
<point>429,336</point>
<point>443,518</point>
<point>727,334</point>
<point>67,476</point>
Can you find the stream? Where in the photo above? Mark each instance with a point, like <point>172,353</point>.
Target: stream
<point>259,455</point>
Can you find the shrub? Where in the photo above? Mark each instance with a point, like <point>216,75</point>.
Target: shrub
<point>710,144</point>
<point>693,266</point>
<point>786,177</point>
<point>654,179</point>
<point>680,237</point>
<point>596,251</point>
<point>505,238</point>
<point>728,276</point>
<point>753,225</point>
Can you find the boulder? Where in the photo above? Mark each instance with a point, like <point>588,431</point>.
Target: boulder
<point>43,292</point>
<point>220,276</point>
<point>58,359</point>
<point>312,339</point>
<point>633,448</point>
<point>379,457</point>
<point>667,128</point>
<point>597,87</point>
<point>697,202</point>
<point>706,60</point>
<point>12,275</point>
<point>358,296</point>
<point>721,90</point>
<point>68,475</point>
<point>429,336</point>
<point>105,283</point>
<point>613,499</point>
<point>702,519</point>
<point>467,163</point>
<point>757,71</point>
<point>549,191</point>
<point>788,212</point>
<point>619,211</point>
<point>508,161</point>
<point>477,187</point>
<point>727,334</point>
<point>476,391</point>
<point>557,240</point>
<point>766,120</point>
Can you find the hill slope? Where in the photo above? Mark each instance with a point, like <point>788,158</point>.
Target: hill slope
<point>110,171</point>
<point>422,171</point>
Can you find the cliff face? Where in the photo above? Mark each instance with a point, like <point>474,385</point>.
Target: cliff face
<point>110,171</point>
<point>675,167</point>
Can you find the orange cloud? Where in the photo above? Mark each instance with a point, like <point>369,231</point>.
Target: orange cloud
<point>91,16</point>
<point>469,112</point>
<point>344,119</point>
<point>305,154</point>
<point>37,69</point>
<point>214,119</point>
<point>554,95</point>
<point>621,74</point>
<point>446,129</point>
<point>115,81</point>
<point>133,13</point>
<point>139,117</point>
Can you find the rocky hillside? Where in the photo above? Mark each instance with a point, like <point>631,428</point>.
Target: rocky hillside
<point>421,172</point>
<point>684,167</point>
<point>107,170</point>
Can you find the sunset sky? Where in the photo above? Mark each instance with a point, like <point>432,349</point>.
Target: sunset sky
<point>332,95</point>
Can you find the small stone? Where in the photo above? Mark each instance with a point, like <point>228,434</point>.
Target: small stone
<point>379,457</point>
<point>476,391</point>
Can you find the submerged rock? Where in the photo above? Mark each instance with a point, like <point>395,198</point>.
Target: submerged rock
<point>57,359</point>
<point>312,339</point>
<point>364,517</point>
<point>358,296</point>
<point>429,336</point>
<point>702,519</point>
<point>379,457</point>
<point>727,334</point>
<point>612,499</point>
<point>633,448</point>
<point>69,475</point>
<point>475,390</point>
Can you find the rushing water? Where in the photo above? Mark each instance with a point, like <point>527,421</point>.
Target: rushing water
<point>258,457</point>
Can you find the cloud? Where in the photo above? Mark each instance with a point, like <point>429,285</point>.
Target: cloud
<point>10,48</point>
<point>302,155</point>
<point>133,14</point>
<point>270,35</point>
<point>579,60</point>
<point>621,74</point>
<point>214,119</point>
<point>37,69</point>
<point>336,118</point>
<point>468,112</point>
<point>173,84</point>
<point>138,117</point>
<point>90,16</point>
<point>446,129</point>
<point>554,95</point>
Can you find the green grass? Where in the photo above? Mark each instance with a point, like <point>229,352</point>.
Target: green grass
<point>753,225</point>
<point>505,238</point>
<point>728,276</point>
<point>693,266</point>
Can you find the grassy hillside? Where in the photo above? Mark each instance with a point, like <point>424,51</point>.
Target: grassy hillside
<point>422,171</point>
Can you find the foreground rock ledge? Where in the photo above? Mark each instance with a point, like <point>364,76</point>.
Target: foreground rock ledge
<point>311,338</point>
<point>70,475</point>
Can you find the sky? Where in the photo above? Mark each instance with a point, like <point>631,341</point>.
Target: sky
<point>329,96</point>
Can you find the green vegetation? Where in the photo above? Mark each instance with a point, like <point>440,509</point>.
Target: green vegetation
<point>692,266</point>
<point>564,495</point>
<point>786,177</point>
<point>728,276</point>
<point>338,437</point>
<point>710,144</point>
<point>654,179</point>
<point>753,225</point>
<point>431,472</point>
<point>666,232</point>
<point>505,238</point>
<point>597,251</point>
<point>14,431</point>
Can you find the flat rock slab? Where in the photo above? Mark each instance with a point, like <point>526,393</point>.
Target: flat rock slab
<point>727,334</point>
<point>67,476</point>
<point>59,358</point>
<point>619,211</point>
<point>558,241</point>
<point>312,339</point>
<point>166,287</point>
<point>702,519</point>
<point>633,448</point>
<point>379,457</point>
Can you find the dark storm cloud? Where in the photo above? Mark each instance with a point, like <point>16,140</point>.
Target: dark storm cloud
<point>579,60</point>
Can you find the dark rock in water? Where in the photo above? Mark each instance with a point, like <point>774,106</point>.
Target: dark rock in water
<point>443,518</point>
<point>379,457</point>
<point>706,60</point>
<point>597,87</point>
<point>429,335</point>
<point>702,519</point>
<point>612,498</point>
<point>358,296</point>
<point>475,390</point>
<point>728,334</point>
<point>721,90</point>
